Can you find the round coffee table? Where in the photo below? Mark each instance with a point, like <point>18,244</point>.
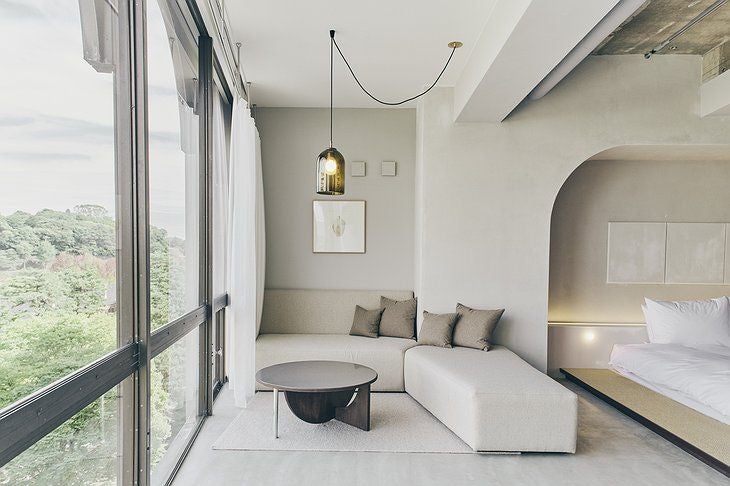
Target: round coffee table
<point>319,391</point>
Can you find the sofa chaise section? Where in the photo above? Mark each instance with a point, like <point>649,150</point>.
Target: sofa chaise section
<point>493,400</point>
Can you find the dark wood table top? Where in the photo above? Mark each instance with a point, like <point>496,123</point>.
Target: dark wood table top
<point>316,376</point>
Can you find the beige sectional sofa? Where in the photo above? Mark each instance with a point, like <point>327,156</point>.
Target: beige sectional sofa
<point>493,400</point>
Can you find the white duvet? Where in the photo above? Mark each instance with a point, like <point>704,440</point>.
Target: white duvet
<point>700,373</point>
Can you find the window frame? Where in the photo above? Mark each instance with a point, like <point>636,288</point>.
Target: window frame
<point>28,420</point>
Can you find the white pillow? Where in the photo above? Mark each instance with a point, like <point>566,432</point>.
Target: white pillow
<point>690,322</point>
<point>646,319</point>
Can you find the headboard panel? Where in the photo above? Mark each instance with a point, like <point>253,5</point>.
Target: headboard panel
<point>318,311</point>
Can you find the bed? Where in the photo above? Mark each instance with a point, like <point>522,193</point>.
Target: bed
<point>678,384</point>
<point>697,376</point>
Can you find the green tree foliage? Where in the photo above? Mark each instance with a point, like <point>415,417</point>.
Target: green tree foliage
<point>31,293</point>
<point>85,289</point>
<point>56,271</point>
<point>32,241</point>
<point>37,350</point>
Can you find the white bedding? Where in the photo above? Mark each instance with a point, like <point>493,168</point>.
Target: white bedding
<point>689,375</point>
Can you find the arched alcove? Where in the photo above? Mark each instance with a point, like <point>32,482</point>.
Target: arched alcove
<point>664,209</point>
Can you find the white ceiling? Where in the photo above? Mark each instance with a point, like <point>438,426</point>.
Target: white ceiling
<point>396,47</point>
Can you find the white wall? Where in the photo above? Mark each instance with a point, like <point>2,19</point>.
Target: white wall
<point>291,139</point>
<point>486,191</point>
<point>588,346</point>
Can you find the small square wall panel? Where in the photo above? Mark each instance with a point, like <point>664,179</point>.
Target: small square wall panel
<point>636,252</point>
<point>695,253</point>
<point>388,168</point>
<point>357,169</point>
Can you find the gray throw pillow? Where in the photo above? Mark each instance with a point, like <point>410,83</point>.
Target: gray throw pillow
<point>475,327</point>
<point>366,322</point>
<point>436,329</point>
<point>399,318</point>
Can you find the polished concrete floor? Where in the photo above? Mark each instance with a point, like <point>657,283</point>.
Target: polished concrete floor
<point>612,450</point>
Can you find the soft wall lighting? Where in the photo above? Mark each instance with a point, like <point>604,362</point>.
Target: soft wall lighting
<point>589,336</point>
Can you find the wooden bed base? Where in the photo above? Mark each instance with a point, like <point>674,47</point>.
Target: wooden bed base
<point>646,422</point>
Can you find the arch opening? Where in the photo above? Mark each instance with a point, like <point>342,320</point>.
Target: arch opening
<point>628,223</point>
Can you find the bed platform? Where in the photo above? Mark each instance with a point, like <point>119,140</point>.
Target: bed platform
<point>705,438</point>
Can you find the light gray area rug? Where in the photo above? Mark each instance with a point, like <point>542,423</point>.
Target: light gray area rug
<point>397,424</point>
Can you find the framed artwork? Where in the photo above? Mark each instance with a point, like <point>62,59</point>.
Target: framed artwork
<point>338,226</point>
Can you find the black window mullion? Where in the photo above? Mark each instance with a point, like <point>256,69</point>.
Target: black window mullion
<point>126,241</point>
<point>170,333</point>
<point>24,423</point>
<point>140,227</point>
<point>205,112</point>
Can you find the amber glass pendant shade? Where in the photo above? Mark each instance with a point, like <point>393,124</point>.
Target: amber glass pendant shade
<point>331,173</point>
<point>330,168</point>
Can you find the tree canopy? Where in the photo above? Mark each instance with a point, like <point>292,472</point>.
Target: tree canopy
<point>57,303</point>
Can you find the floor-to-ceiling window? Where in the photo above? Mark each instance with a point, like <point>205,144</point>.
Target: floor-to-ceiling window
<point>105,241</point>
<point>57,231</point>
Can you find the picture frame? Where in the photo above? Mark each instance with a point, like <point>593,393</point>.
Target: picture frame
<point>338,226</point>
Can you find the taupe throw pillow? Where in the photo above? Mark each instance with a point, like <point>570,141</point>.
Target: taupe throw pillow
<point>436,329</point>
<point>366,322</point>
<point>475,327</point>
<point>399,318</point>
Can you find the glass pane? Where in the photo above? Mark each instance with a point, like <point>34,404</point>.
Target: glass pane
<point>57,191</point>
<point>174,399</point>
<point>82,451</point>
<point>173,144</point>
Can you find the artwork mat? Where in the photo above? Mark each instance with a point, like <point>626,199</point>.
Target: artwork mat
<point>349,205</point>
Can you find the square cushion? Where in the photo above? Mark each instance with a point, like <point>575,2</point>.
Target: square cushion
<point>694,322</point>
<point>399,318</point>
<point>475,327</point>
<point>437,329</point>
<point>366,322</point>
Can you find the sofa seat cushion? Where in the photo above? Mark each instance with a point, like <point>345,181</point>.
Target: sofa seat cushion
<point>383,354</point>
<point>493,400</point>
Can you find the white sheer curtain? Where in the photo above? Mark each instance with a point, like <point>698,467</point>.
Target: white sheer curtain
<point>246,252</point>
<point>220,198</point>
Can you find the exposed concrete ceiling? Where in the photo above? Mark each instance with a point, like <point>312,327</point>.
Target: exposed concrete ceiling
<point>660,19</point>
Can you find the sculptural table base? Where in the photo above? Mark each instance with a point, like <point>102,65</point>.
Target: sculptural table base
<point>321,407</point>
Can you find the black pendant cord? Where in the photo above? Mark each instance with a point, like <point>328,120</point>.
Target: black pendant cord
<point>389,103</point>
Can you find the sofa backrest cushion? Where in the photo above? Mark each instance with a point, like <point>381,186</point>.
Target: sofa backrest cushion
<point>318,311</point>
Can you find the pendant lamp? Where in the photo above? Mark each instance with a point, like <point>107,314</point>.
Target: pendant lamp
<point>331,163</point>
